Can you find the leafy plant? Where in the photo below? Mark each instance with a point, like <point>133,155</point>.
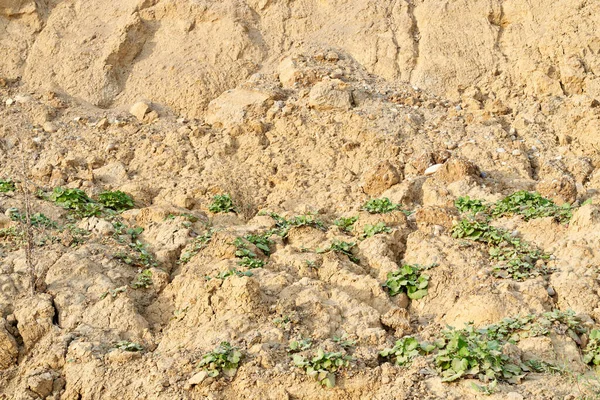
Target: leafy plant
<point>531,205</point>
<point>225,360</point>
<point>143,280</point>
<point>128,346</point>
<point>466,204</point>
<point>323,366</point>
<point>408,279</point>
<point>345,224</point>
<point>516,258</point>
<point>222,203</point>
<point>37,220</point>
<point>591,354</point>
<point>198,244</point>
<point>300,345</point>
<point>468,353</point>
<point>7,186</point>
<point>284,225</point>
<point>372,230</point>
<point>69,198</point>
<point>116,200</point>
<point>380,206</point>
<point>344,341</point>
<point>341,247</point>
<point>231,272</point>
<point>247,257</point>
<point>405,350</point>
<point>262,242</point>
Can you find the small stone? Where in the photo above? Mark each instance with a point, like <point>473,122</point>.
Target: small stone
<point>21,99</point>
<point>197,378</point>
<point>139,110</point>
<point>516,152</point>
<point>500,150</point>
<point>514,396</point>
<point>551,291</point>
<point>512,131</point>
<point>111,146</point>
<point>102,124</point>
<point>9,102</point>
<point>49,127</point>
<point>41,384</point>
<point>151,116</point>
<point>332,56</point>
<point>433,169</point>
<point>451,145</point>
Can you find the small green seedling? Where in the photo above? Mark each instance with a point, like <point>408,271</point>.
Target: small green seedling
<point>344,341</point>
<point>323,366</point>
<point>405,350</point>
<point>591,354</point>
<point>247,257</point>
<point>225,360</point>
<point>128,346</point>
<point>143,280</point>
<point>409,280</point>
<point>198,244</point>
<point>345,248</point>
<point>300,345</point>
<point>345,224</point>
<point>531,205</point>
<point>262,242</point>
<point>232,272</point>
<point>222,203</point>
<point>7,186</point>
<point>372,230</point>
<point>380,206</point>
<point>467,205</point>
<point>117,201</point>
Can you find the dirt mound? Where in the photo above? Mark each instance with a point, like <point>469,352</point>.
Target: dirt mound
<point>245,199</point>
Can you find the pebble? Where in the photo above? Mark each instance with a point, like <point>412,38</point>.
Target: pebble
<point>451,145</point>
<point>551,291</point>
<point>139,110</point>
<point>483,174</point>
<point>112,146</point>
<point>49,127</point>
<point>433,169</point>
<point>516,152</point>
<point>9,102</point>
<point>500,150</point>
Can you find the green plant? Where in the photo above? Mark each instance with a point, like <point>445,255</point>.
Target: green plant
<point>486,389</point>
<point>116,200</point>
<point>345,224</point>
<point>466,204</point>
<point>344,341</point>
<point>380,206</point>
<point>282,322</point>
<point>7,186</point>
<point>37,220</point>
<point>222,203</point>
<point>69,198</point>
<point>128,346</point>
<point>516,258</point>
<point>231,272</point>
<point>345,248</point>
<point>284,225</point>
<point>198,244</point>
<point>323,366</point>
<point>591,353</point>
<point>225,360</point>
<point>300,345</point>
<point>372,230</point>
<point>531,205</point>
<point>143,280</point>
<point>247,257</point>
<point>408,279</point>
<point>468,353</point>
<point>262,242</point>
<point>405,350</point>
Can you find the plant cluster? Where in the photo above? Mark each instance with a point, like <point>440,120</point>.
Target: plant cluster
<point>591,353</point>
<point>380,206</point>
<point>7,186</point>
<point>408,279</point>
<point>469,353</point>
<point>247,257</point>
<point>222,203</point>
<point>284,225</point>
<point>230,272</point>
<point>345,224</point>
<point>117,201</point>
<point>143,280</point>
<point>517,259</point>
<point>300,345</point>
<point>372,230</point>
<point>126,345</point>
<point>197,244</point>
<point>341,247</point>
<point>262,242</point>
<point>323,366</point>
<point>405,350</point>
<point>225,359</point>
<point>530,205</point>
